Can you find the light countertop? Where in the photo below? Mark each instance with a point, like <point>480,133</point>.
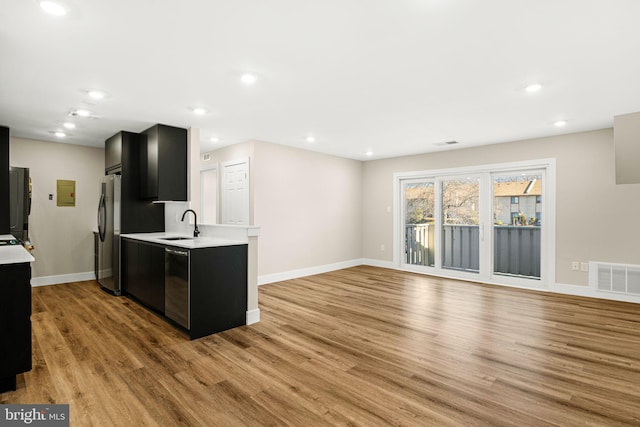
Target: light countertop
<point>189,242</point>
<point>13,254</point>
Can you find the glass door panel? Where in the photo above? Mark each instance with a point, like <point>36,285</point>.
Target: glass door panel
<point>517,224</point>
<point>419,204</point>
<point>460,224</point>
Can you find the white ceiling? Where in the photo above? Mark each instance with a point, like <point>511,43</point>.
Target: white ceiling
<point>392,76</point>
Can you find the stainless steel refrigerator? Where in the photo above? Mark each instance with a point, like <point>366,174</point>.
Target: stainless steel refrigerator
<point>108,272</point>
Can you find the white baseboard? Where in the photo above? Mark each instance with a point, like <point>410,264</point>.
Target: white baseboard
<point>294,274</point>
<point>588,291</point>
<point>62,278</point>
<point>379,263</point>
<point>253,316</point>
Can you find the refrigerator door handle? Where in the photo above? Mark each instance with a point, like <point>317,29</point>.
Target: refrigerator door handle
<point>102,217</point>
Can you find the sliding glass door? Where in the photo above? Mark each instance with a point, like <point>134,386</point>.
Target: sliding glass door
<point>419,214</point>
<point>517,223</point>
<point>460,227</point>
<point>486,225</point>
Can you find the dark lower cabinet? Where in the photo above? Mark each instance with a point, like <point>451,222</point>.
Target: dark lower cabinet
<point>5,219</point>
<point>143,272</point>
<point>217,284</point>
<point>15,323</point>
<point>218,289</point>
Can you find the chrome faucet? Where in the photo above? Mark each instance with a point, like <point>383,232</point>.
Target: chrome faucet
<point>195,221</point>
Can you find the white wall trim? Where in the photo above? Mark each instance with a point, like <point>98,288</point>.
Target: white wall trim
<point>62,278</point>
<point>588,291</point>
<point>253,316</point>
<point>294,274</point>
<point>379,263</point>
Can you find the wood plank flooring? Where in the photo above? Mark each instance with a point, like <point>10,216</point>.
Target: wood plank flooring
<point>362,346</point>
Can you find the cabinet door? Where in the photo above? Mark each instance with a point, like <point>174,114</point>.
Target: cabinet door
<point>163,163</point>
<point>143,272</point>
<point>149,164</point>
<point>113,153</point>
<point>5,221</point>
<point>172,163</point>
<point>156,278</point>
<point>130,268</point>
<point>15,319</point>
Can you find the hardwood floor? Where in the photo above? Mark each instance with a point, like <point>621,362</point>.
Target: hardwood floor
<point>362,346</point>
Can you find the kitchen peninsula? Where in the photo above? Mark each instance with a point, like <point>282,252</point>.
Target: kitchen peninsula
<point>15,311</point>
<point>199,284</point>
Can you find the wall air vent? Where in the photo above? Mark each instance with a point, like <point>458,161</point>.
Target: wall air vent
<point>206,157</point>
<point>615,278</point>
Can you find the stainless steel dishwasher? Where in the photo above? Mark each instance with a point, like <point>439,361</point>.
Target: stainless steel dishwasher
<point>176,286</point>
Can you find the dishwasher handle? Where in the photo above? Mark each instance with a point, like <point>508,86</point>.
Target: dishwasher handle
<point>176,252</point>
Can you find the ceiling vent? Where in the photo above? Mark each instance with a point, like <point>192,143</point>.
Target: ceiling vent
<point>442,144</point>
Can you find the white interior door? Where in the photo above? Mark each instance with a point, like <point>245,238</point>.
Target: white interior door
<point>235,192</point>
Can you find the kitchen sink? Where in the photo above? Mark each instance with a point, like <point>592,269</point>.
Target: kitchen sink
<point>176,238</point>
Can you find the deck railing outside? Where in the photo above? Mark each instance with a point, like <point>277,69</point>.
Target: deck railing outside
<point>516,248</point>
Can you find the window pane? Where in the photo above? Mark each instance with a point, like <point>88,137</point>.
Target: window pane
<point>517,226</point>
<point>460,231</point>
<point>419,200</point>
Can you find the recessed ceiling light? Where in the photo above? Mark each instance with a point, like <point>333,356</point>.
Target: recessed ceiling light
<point>199,111</point>
<point>214,139</point>
<point>96,94</point>
<point>60,134</point>
<point>560,123</point>
<point>82,113</point>
<point>534,87</point>
<point>53,8</point>
<point>369,153</point>
<point>248,78</point>
<point>69,125</point>
<point>311,139</point>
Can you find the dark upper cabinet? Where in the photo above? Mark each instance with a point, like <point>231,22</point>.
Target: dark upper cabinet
<point>113,153</point>
<point>136,215</point>
<point>163,163</point>
<point>5,222</point>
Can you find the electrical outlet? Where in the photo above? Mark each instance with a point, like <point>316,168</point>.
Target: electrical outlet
<point>382,247</point>
<point>575,265</point>
<point>584,266</point>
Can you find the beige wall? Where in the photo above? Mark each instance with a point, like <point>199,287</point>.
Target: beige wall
<point>308,207</point>
<point>594,219</point>
<point>62,236</point>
